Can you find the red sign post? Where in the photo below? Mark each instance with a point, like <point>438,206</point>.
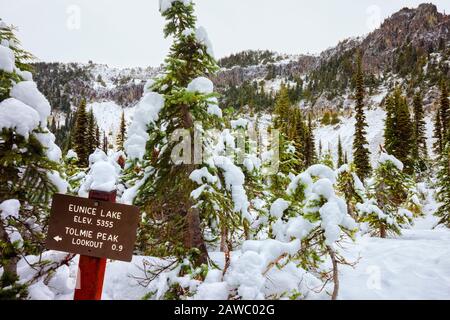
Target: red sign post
<point>97,229</point>
<point>91,270</point>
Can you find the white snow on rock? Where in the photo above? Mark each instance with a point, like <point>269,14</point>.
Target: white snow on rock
<point>9,208</point>
<point>146,112</point>
<point>7,59</point>
<point>16,115</point>
<point>28,93</point>
<point>201,85</point>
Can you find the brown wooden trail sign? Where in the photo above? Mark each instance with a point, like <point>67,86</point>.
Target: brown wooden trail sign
<point>92,227</point>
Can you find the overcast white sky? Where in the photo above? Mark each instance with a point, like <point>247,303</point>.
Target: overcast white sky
<point>129,32</point>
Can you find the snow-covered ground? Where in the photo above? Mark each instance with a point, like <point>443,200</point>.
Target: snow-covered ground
<point>415,265</point>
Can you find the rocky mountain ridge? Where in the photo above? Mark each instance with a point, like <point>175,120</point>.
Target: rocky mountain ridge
<point>412,47</point>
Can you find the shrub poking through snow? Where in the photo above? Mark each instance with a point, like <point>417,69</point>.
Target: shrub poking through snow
<point>350,187</point>
<point>387,209</point>
<point>304,226</point>
<point>29,165</point>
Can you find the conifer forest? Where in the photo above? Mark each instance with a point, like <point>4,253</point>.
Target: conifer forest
<point>258,175</point>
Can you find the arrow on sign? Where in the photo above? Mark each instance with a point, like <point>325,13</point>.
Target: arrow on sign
<point>57,238</point>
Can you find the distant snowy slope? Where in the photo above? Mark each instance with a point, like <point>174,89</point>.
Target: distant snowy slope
<point>108,116</point>
<point>329,135</point>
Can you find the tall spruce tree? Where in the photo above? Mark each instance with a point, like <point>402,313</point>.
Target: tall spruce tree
<point>360,151</point>
<point>444,109</point>
<point>310,145</point>
<point>97,137</point>
<point>388,210</point>
<point>299,136</point>
<point>420,152</point>
<point>282,109</point>
<point>81,134</point>
<point>437,135</point>
<point>91,136</point>
<point>175,219</point>
<point>340,160</point>
<point>121,136</point>
<point>105,143</point>
<point>443,183</point>
<point>390,124</point>
<point>399,130</point>
<point>405,134</point>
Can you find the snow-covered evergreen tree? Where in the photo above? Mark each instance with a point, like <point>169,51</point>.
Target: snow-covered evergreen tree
<point>399,130</point>
<point>360,151</point>
<point>340,152</point>
<point>351,188</point>
<point>81,134</point>
<point>312,218</point>
<point>121,136</point>
<point>420,149</point>
<point>443,191</point>
<point>182,197</point>
<point>387,208</point>
<point>30,172</point>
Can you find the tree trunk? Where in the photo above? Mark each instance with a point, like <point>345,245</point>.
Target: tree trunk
<point>335,273</point>
<point>193,236</point>
<point>382,230</point>
<point>224,239</point>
